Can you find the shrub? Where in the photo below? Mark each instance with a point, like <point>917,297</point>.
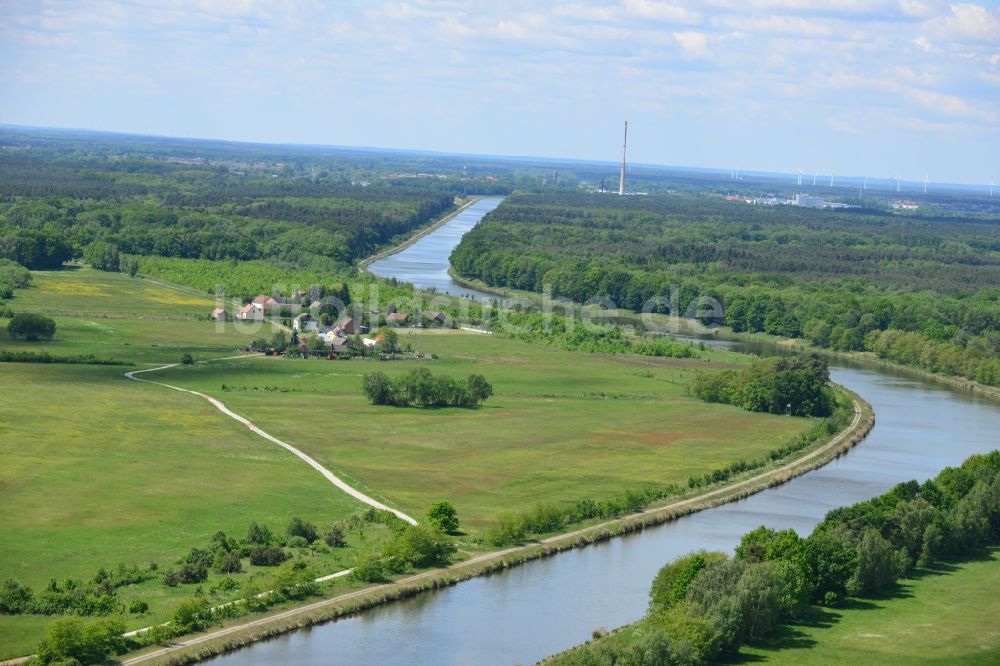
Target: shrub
<point>259,535</point>
<point>192,614</point>
<point>69,639</point>
<point>267,556</point>
<point>193,572</point>
<point>335,537</point>
<point>227,561</point>
<point>31,326</point>
<point>138,607</point>
<point>368,569</point>
<point>671,583</point>
<point>303,529</point>
<point>15,598</point>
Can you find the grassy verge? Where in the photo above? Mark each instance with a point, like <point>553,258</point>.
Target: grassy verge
<point>946,615</point>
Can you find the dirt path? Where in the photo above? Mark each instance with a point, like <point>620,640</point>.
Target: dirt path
<point>479,559</point>
<point>330,476</point>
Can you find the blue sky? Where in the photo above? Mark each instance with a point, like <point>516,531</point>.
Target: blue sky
<point>876,87</point>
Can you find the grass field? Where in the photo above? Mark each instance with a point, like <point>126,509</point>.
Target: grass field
<point>98,470</point>
<point>111,315</point>
<point>561,425</point>
<point>951,616</point>
<point>944,616</point>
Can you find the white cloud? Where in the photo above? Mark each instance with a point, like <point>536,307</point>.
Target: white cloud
<point>662,11</point>
<point>968,22</point>
<point>693,44</point>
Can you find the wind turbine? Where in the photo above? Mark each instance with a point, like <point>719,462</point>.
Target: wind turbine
<point>925,183</point>
<point>800,177</point>
<point>866,183</point>
<point>897,182</point>
<point>814,178</point>
<point>831,179</point>
<point>992,185</point>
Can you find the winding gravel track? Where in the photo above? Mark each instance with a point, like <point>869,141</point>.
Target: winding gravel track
<point>330,476</point>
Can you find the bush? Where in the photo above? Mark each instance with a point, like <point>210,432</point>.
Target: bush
<point>227,561</point>
<point>259,535</point>
<point>671,583</point>
<point>138,607</point>
<point>303,529</point>
<point>69,639</point>
<point>193,572</point>
<point>192,614</point>
<point>368,570</point>
<point>335,537</point>
<point>417,546</point>
<point>15,598</point>
<point>31,326</point>
<point>267,556</point>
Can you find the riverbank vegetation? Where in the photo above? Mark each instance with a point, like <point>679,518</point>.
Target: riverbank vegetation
<point>796,385</point>
<point>705,606</point>
<point>916,289</point>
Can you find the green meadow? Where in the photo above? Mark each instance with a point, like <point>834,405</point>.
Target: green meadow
<point>946,616</point>
<point>560,426</point>
<point>99,470</point>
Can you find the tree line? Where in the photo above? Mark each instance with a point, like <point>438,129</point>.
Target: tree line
<point>52,211</point>
<point>705,605</point>
<point>420,387</point>
<point>918,290</point>
<point>796,385</point>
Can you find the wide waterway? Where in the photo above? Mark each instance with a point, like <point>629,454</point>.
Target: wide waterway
<point>526,613</point>
<point>425,262</point>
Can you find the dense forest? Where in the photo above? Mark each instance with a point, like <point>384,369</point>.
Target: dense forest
<point>53,211</point>
<point>920,289</point>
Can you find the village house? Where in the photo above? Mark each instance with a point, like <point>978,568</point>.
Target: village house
<point>337,343</point>
<point>251,312</point>
<point>347,326</point>
<point>219,314</point>
<point>305,323</point>
<point>396,318</point>
<point>433,317</point>
<point>266,302</point>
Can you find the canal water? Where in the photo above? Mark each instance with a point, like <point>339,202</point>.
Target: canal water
<point>526,613</point>
<point>425,263</point>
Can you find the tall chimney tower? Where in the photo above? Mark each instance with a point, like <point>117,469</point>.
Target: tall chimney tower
<point>621,180</point>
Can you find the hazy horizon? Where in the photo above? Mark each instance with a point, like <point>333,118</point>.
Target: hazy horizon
<point>879,88</point>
